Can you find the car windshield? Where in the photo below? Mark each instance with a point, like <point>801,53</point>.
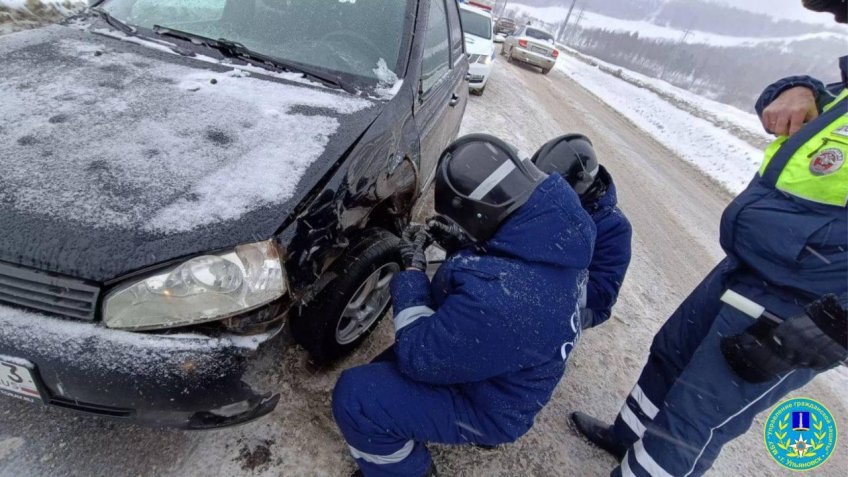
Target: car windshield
<point>476,24</point>
<point>346,37</point>
<point>539,35</point>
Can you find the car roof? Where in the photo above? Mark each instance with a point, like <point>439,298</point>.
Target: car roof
<point>526,27</point>
<point>471,8</point>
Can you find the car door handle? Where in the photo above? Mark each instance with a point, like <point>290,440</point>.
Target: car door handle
<point>454,100</point>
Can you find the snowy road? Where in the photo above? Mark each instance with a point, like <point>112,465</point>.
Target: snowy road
<point>675,212</point>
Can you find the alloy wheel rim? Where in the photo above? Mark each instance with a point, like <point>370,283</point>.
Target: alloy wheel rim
<point>366,305</point>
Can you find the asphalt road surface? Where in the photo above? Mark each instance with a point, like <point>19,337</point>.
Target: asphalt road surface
<point>675,212</point>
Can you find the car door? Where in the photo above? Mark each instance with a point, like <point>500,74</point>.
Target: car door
<point>440,92</point>
<point>459,71</point>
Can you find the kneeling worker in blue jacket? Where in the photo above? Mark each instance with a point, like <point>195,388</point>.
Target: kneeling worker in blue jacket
<point>573,157</point>
<point>478,352</point>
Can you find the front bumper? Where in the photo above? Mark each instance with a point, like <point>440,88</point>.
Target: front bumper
<point>532,58</point>
<point>478,75</point>
<point>187,381</point>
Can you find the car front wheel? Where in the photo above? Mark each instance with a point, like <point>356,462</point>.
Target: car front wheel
<point>350,306</point>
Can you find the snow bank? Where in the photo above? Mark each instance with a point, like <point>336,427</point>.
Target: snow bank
<point>718,153</point>
<point>646,29</point>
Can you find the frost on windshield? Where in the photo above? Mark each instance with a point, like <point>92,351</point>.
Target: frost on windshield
<point>118,139</point>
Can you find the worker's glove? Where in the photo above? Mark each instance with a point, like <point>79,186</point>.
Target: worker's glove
<point>447,234</point>
<point>414,242</point>
<point>814,340</point>
<point>819,338</point>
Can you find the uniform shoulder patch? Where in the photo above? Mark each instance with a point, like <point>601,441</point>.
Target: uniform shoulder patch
<point>827,162</point>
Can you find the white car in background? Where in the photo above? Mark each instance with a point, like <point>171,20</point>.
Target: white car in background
<point>478,26</point>
<point>533,46</point>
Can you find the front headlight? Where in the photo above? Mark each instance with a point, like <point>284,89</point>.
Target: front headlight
<point>203,289</point>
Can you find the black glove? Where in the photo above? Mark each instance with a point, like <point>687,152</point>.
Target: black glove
<point>414,241</point>
<point>815,340</point>
<point>448,234</point>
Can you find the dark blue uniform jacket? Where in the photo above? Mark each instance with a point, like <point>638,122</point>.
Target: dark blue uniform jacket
<point>612,253</point>
<point>505,320</point>
<point>798,249</point>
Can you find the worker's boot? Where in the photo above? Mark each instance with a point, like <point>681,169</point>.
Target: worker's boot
<point>598,433</point>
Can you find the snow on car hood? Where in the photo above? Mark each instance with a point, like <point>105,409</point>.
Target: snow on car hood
<point>129,143</point>
<point>474,45</point>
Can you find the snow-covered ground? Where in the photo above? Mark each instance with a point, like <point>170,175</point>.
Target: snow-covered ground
<point>714,150</point>
<point>646,29</point>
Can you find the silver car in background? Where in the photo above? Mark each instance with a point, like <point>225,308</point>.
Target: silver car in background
<point>533,46</point>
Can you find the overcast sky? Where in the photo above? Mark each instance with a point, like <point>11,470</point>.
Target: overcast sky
<point>790,9</point>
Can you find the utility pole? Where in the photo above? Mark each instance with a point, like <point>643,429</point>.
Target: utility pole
<point>503,9</point>
<point>567,17</point>
<point>576,23</point>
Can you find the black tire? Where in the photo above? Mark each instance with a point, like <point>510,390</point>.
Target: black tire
<point>316,326</point>
<point>546,70</point>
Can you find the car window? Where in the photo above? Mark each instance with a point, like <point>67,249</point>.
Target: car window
<point>457,40</point>
<point>436,51</point>
<point>539,35</point>
<point>344,37</point>
<point>476,24</point>
<point>144,12</point>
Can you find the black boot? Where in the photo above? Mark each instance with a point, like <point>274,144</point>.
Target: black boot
<point>598,433</point>
<point>431,472</point>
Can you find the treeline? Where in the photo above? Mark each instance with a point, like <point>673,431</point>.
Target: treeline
<point>699,15</point>
<point>725,20</point>
<point>733,75</point>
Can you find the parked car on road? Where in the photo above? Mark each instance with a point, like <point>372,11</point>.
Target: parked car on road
<point>533,46</point>
<point>479,44</point>
<point>180,179</point>
<point>506,26</point>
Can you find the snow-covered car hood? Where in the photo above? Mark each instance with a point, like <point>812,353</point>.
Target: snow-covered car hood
<point>115,156</point>
<point>474,45</point>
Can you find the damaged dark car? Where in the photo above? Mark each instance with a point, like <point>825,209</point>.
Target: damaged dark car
<point>182,182</point>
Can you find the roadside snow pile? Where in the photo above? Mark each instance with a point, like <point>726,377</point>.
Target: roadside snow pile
<point>742,124</point>
<point>16,15</point>
<point>721,155</point>
<point>646,29</point>
<point>120,139</point>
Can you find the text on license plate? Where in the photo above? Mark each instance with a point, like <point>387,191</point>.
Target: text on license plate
<point>17,380</point>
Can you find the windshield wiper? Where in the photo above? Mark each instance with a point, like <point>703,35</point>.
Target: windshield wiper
<point>234,49</point>
<point>114,22</point>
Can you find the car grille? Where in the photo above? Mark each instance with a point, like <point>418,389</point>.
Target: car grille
<point>47,292</point>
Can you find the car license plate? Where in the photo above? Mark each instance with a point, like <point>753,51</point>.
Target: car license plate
<point>17,379</point>
<point>536,49</point>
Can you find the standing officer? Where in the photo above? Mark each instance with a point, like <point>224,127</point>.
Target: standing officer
<point>710,371</point>
<point>479,351</point>
<point>573,157</point>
